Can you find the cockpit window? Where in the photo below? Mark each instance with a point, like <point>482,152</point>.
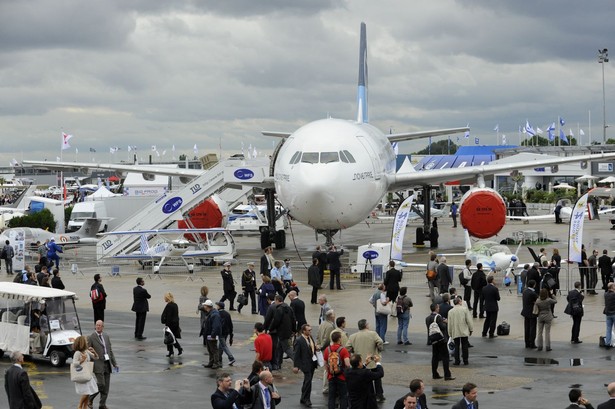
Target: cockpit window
<point>329,157</point>
<point>349,156</point>
<point>343,157</point>
<point>309,157</point>
<point>296,157</point>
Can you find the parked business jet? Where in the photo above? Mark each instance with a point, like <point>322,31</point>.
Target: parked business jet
<point>85,235</point>
<point>331,173</point>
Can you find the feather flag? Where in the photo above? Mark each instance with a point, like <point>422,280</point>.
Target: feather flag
<point>65,139</point>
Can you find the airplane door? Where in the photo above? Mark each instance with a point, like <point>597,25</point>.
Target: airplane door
<point>372,152</point>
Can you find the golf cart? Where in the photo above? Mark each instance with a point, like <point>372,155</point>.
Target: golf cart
<point>38,321</point>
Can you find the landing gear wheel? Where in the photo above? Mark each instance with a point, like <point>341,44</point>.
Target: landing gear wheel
<point>1,353</point>
<point>280,239</point>
<point>57,358</point>
<point>265,241</point>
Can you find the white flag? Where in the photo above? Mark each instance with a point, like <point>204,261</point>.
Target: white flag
<point>254,153</point>
<point>65,139</point>
<point>153,148</point>
<point>164,152</point>
<point>129,148</point>
<point>195,149</point>
<point>571,134</point>
<point>173,148</point>
<point>581,132</point>
<point>503,139</point>
<point>57,158</point>
<point>76,151</point>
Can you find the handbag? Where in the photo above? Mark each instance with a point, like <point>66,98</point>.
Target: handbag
<point>242,299</point>
<point>384,309</point>
<point>169,338</point>
<point>431,275</point>
<point>535,310</point>
<point>320,359</point>
<point>81,373</point>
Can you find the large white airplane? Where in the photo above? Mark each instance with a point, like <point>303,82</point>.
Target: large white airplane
<point>331,173</point>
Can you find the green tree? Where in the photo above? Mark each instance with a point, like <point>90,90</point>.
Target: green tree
<point>42,220</point>
<point>439,148</point>
<point>182,157</point>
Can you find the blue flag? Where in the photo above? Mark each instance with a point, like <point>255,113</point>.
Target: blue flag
<point>562,136</point>
<point>476,141</point>
<point>561,121</point>
<point>550,130</point>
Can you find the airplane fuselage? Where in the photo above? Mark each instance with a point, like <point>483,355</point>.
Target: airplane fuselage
<point>331,173</point>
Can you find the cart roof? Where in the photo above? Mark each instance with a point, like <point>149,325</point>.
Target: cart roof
<point>27,292</point>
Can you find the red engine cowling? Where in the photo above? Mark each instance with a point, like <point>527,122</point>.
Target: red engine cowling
<point>483,212</point>
<point>211,213</point>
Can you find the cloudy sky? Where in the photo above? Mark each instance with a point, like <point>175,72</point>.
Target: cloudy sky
<point>216,73</point>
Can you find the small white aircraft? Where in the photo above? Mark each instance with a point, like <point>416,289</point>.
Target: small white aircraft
<point>331,173</point>
<point>565,213</point>
<point>211,244</point>
<point>491,254</point>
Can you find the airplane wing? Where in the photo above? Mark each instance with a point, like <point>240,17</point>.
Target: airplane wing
<point>146,169</point>
<point>136,257</point>
<point>435,176</point>
<point>202,253</point>
<point>276,134</point>
<point>409,136</point>
<point>541,217</point>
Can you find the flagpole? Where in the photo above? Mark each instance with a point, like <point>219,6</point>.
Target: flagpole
<point>589,114</point>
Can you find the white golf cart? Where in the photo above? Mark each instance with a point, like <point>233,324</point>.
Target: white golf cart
<point>38,321</point>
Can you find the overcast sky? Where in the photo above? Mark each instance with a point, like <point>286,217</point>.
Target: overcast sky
<point>216,73</point>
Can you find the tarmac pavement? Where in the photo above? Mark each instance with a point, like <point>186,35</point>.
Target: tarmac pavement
<point>508,375</point>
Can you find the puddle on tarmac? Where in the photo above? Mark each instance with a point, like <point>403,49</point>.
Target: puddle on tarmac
<point>532,361</point>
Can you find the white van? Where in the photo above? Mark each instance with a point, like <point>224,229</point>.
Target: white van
<point>38,321</point>
<point>87,210</point>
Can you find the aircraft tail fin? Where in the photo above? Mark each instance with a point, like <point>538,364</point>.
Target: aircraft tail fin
<point>144,247</point>
<point>362,116</point>
<point>90,228</point>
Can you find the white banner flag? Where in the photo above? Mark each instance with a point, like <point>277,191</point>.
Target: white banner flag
<point>399,228</point>
<point>65,139</point>
<point>576,228</point>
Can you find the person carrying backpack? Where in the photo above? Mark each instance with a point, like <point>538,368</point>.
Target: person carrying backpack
<point>337,359</point>
<point>403,305</point>
<point>99,298</point>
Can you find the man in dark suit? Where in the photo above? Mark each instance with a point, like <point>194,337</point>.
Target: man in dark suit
<point>609,404</point>
<point>226,397</point>
<point>321,256</point>
<point>17,385</point>
<point>606,268</point>
<point>417,387</point>
<point>298,307</point>
<point>529,319</point>
<point>575,298</point>
<point>266,262</point>
<point>101,343</point>
<point>444,278</point>
<point>264,395</point>
<point>491,295</point>
<point>140,306</point>
<point>360,381</point>
<point>304,354</point>
<point>333,258</point>
<point>392,278</point>
<point>577,399</point>
<point>470,393</point>
<point>533,274</point>
<point>478,282</point>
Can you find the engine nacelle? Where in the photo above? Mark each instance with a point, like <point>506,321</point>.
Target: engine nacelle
<point>482,212</point>
<point>211,213</point>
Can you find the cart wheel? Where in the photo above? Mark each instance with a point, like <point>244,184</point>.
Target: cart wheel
<point>57,358</point>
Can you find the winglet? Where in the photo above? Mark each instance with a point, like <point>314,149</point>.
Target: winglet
<point>362,91</point>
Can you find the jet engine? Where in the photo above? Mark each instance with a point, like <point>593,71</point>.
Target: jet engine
<point>211,213</point>
<point>483,212</point>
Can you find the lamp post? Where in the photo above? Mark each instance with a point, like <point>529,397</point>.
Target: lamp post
<point>603,57</point>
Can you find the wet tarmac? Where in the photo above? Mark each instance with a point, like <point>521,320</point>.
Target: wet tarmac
<point>508,375</point>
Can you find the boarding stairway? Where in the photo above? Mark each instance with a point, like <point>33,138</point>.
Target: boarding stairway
<point>170,208</point>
